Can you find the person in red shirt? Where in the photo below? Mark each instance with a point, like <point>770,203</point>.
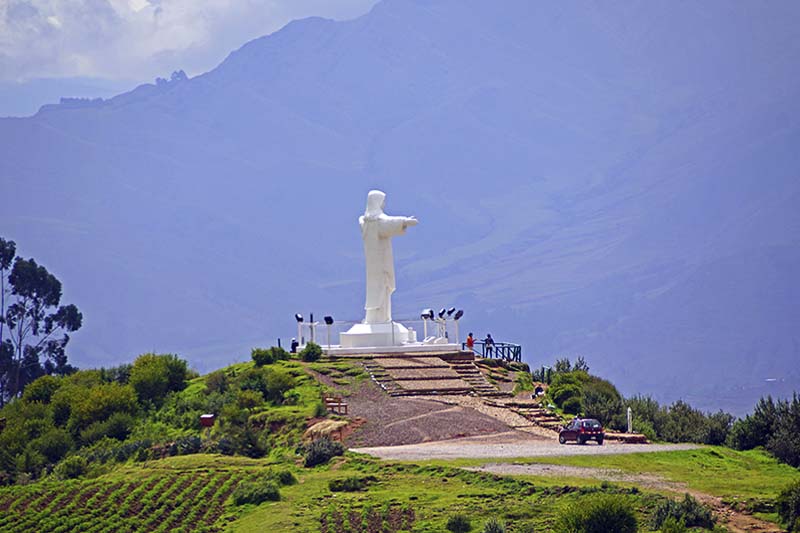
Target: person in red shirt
<point>470,342</point>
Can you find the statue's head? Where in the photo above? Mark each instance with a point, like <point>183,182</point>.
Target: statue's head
<point>376,200</point>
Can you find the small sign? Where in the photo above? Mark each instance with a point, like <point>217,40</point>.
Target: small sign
<point>207,420</point>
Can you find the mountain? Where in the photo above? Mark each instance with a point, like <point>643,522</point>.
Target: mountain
<point>617,182</point>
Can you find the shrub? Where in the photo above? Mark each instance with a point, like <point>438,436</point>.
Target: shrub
<point>216,381</point>
<point>262,356</point>
<point>312,352</point>
<point>256,492</point>
<point>41,389</point>
<point>53,444</point>
<point>285,477</point>
<point>673,525</point>
<point>71,468</point>
<point>572,405</point>
<point>350,484</point>
<point>563,393</point>
<point>277,383</point>
<point>279,354</point>
<point>249,399</point>
<point>788,505</point>
<point>321,451</point>
<point>493,525</point>
<point>688,510</point>
<point>154,376</point>
<point>118,426</point>
<point>459,523</point>
<point>598,514</point>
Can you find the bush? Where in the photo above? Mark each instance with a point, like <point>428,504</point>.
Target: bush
<point>599,513</point>
<point>154,376</point>
<point>277,383</point>
<point>256,492</point>
<point>459,523</point>
<point>71,468</point>
<point>285,477</point>
<point>118,426</point>
<point>262,356</point>
<point>493,525</point>
<point>673,525</point>
<point>42,389</point>
<point>691,512</point>
<point>279,354</point>
<point>572,406</point>
<point>216,381</point>
<point>788,506</point>
<point>349,484</point>
<point>312,352</point>
<point>321,451</point>
<point>53,444</point>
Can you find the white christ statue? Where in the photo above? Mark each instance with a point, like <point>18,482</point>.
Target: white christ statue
<point>377,230</point>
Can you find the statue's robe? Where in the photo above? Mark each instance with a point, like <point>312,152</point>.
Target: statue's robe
<point>377,231</point>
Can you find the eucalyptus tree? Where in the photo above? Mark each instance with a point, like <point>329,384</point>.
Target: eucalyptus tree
<point>37,327</point>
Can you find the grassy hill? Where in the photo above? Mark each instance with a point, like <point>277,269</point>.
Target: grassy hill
<point>165,473</point>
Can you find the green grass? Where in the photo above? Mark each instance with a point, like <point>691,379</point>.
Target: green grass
<point>714,470</point>
<point>433,492</point>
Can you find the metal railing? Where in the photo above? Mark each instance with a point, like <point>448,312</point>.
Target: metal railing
<point>498,350</point>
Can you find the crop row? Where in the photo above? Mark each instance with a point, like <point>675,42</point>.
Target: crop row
<point>190,501</point>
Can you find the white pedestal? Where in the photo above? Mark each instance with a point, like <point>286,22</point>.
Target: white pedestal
<point>376,335</point>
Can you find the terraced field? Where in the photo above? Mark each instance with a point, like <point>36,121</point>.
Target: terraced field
<point>149,500</point>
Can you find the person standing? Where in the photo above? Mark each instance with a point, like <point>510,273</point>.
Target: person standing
<point>470,342</point>
<point>489,344</point>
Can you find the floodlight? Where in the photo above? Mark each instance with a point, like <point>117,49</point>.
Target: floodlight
<point>442,311</point>
<point>427,314</point>
<point>451,311</point>
<point>459,314</point>
<point>298,317</point>
<point>328,320</point>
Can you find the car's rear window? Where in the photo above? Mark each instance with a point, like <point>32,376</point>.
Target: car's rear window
<point>591,424</point>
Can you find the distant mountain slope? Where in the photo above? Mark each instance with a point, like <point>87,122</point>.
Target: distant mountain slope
<point>620,183</point>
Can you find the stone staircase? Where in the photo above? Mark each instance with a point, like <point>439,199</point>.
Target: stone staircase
<point>417,375</point>
<point>531,410</point>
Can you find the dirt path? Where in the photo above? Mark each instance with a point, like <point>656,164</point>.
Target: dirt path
<point>509,444</point>
<point>731,519</point>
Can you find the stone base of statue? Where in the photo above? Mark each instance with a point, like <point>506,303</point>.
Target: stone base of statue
<point>386,338</point>
<point>386,334</point>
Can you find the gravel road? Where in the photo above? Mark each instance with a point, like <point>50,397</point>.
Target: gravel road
<point>507,445</point>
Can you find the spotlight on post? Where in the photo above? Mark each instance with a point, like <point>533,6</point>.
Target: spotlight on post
<point>451,311</point>
<point>456,317</point>
<point>427,314</point>
<point>299,319</point>
<point>328,323</point>
<point>442,311</point>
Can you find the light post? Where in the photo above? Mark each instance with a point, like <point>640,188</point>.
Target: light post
<point>456,318</point>
<point>441,323</point>
<point>427,314</point>
<point>299,319</point>
<point>328,322</point>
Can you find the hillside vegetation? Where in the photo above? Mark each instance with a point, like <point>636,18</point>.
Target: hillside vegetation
<point>122,449</point>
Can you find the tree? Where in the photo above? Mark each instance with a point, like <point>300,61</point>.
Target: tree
<point>36,325</point>
<point>8,249</point>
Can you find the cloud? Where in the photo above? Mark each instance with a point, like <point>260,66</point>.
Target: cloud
<point>140,39</point>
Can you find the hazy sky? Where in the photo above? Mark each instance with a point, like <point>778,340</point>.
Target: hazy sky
<point>140,39</point>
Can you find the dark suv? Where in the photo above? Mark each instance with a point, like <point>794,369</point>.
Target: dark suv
<point>581,430</point>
